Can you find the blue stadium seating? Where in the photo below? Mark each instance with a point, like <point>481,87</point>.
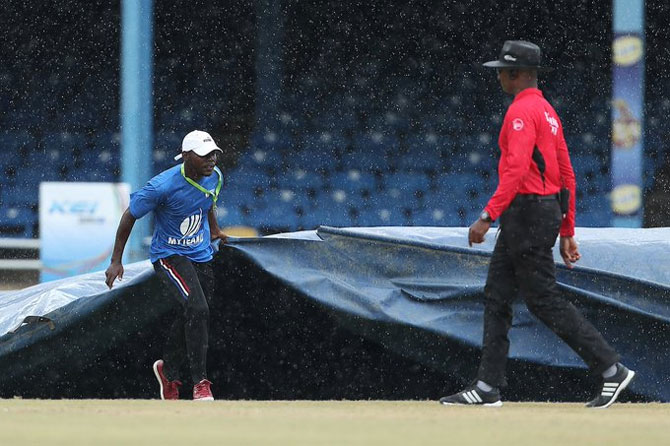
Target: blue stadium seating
<point>271,141</point>
<point>412,143</point>
<point>417,160</point>
<point>365,160</point>
<point>17,221</point>
<point>262,158</point>
<point>300,179</point>
<point>383,216</point>
<point>354,182</point>
<point>230,215</point>
<point>11,142</point>
<point>64,141</point>
<point>324,141</point>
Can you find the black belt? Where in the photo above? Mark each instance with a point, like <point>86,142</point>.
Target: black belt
<point>526,198</point>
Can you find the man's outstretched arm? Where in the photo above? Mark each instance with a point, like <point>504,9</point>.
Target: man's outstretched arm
<point>115,269</point>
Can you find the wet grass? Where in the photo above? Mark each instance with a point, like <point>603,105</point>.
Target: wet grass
<point>128,422</point>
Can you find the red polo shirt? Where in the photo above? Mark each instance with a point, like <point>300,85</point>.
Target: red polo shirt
<point>531,121</point>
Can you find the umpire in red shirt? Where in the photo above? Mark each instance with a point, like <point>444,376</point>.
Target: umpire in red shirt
<point>534,166</point>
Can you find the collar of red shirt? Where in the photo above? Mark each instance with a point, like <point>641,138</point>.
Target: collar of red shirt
<point>527,92</point>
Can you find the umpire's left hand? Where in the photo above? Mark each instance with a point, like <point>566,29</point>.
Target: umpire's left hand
<point>477,231</point>
<point>569,251</point>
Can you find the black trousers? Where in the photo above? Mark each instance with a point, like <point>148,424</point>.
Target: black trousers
<point>523,264</point>
<point>191,284</point>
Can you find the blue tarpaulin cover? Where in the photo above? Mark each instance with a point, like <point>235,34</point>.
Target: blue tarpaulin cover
<point>429,279</point>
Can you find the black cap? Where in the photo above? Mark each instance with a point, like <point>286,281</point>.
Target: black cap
<point>518,54</point>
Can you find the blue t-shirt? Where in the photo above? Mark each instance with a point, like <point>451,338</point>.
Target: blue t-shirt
<point>180,211</point>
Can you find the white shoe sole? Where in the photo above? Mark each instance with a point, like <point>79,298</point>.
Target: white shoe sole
<point>208,398</point>
<point>624,384</point>
<point>158,377</point>
<point>496,404</point>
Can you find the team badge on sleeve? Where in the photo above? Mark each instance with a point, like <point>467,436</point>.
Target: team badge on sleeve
<point>517,124</point>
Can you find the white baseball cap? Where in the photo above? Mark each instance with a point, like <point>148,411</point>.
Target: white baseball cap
<point>199,142</point>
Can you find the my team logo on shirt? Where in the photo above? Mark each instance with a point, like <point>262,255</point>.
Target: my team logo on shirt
<point>189,227</point>
<point>517,124</point>
<point>191,224</point>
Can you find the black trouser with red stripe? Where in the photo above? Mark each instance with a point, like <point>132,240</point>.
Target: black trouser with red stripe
<point>192,285</point>
<point>523,264</point>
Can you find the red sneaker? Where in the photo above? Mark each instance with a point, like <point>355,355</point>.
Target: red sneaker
<point>202,392</point>
<point>169,389</point>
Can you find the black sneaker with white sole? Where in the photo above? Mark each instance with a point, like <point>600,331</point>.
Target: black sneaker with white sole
<point>473,396</point>
<point>612,387</point>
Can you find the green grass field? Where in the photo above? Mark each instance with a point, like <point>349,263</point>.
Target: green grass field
<point>185,423</point>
